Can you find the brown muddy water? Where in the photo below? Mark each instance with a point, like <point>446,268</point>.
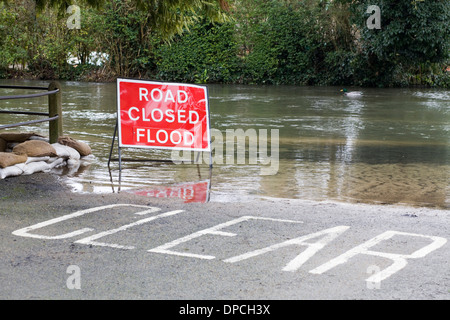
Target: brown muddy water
<point>389,146</point>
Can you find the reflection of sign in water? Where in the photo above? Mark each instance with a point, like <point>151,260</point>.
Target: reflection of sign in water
<point>189,192</point>
<point>163,115</point>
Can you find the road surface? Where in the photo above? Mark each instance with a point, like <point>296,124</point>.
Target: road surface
<point>56,244</point>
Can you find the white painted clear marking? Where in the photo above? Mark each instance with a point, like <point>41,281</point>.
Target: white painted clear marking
<point>297,262</point>
<point>213,231</point>
<point>399,260</point>
<point>373,269</point>
<point>90,240</point>
<point>25,232</point>
<point>328,235</point>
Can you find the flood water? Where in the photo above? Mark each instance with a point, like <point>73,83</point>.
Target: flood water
<point>387,146</point>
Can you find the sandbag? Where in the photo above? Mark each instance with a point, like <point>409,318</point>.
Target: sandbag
<point>56,163</point>
<point>52,159</point>
<point>66,152</point>
<point>35,137</point>
<point>12,171</point>
<point>35,148</point>
<point>2,145</point>
<point>9,159</point>
<point>40,166</point>
<point>37,159</point>
<point>82,148</point>
<point>18,136</point>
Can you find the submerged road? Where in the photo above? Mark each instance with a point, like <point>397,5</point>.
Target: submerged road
<point>55,244</point>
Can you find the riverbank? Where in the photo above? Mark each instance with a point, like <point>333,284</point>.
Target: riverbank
<point>29,194</point>
<point>100,75</point>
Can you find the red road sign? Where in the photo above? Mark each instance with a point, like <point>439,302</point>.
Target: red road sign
<point>163,115</point>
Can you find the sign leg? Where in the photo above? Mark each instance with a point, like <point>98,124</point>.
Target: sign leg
<point>112,145</point>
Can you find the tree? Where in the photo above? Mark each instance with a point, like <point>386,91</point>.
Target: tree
<point>166,16</point>
<point>412,33</point>
<point>416,31</point>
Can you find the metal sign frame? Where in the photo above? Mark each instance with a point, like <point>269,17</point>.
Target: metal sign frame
<point>117,129</point>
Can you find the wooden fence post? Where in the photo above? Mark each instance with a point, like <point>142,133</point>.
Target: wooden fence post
<point>55,109</point>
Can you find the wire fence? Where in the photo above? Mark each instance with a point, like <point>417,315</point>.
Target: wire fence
<point>53,116</point>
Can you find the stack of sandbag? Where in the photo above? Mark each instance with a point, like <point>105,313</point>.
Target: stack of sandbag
<point>27,153</point>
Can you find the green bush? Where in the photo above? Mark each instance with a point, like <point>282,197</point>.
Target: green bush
<point>412,33</point>
<point>284,45</point>
<point>263,42</point>
<point>206,53</point>
<point>14,37</point>
<point>340,65</point>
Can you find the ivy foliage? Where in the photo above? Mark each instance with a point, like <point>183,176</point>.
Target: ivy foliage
<point>284,46</point>
<point>414,38</point>
<point>208,53</point>
<point>308,42</point>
